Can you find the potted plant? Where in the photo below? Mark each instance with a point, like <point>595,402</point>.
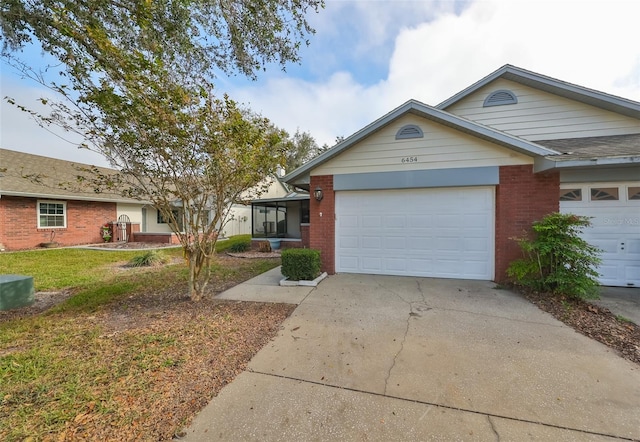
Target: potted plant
<point>106,233</point>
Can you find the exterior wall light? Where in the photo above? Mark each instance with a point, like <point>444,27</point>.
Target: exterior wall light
<point>317,194</point>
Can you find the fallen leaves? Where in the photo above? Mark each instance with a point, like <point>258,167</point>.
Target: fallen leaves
<point>593,321</point>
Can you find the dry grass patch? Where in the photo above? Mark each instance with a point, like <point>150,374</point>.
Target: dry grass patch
<point>137,366</point>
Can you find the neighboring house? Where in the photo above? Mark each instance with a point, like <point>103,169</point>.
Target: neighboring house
<point>34,207</point>
<point>443,191</point>
<point>285,217</point>
<point>239,222</point>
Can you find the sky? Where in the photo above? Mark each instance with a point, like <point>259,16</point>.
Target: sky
<point>369,57</point>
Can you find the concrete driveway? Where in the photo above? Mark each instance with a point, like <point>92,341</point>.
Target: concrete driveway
<point>375,358</point>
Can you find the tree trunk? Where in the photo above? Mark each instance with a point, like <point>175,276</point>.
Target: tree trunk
<point>195,265</point>
<point>199,260</point>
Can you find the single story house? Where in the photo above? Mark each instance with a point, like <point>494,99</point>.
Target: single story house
<point>443,191</point>
<point>35,208</point>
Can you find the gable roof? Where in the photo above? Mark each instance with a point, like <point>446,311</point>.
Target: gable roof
<point>36,176</point>
<point>300,176</point>
<point>572,91</point>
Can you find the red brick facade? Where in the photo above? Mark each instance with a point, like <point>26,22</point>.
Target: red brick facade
<point>304,234</point>
<point>323,225</point>
<point>522,197</point>
<point>19,223</point>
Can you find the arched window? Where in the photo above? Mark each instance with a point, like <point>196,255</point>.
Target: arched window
<point>409,131</point>
<point>500,98</point>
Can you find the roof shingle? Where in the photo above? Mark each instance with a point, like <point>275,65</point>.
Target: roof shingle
<point>23,174</point>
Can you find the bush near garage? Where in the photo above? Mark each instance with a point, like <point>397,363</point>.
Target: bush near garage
<point>557,260</point>
<point>301,264</point>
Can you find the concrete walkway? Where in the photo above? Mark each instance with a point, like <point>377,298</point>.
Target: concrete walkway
<point>391,358</point>
<point>622,301</point>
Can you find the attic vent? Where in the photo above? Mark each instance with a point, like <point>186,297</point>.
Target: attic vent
<point>499,98</point>
<point>409,131</point>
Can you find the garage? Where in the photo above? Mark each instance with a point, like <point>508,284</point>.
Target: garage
<point>428,232</point>
<point>615,212</point>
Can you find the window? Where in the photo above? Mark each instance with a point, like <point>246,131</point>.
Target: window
<point>570,194</point>
<point>304,211</point>
<point>500,98</point>
<point>52,214</point>
<point>409,131</point>
<point>280,218</point>
<point>604,194</point>
<point>177,214</point>
<point>634,193</point>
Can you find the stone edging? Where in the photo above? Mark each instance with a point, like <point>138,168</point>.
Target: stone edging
<point>286,283</point>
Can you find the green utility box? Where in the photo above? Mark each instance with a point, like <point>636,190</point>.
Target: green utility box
<point>16,291</point>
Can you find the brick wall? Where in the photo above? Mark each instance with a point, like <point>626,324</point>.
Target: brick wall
<point>323,228</point>
<point>19,223</point>
<point>160,238</point>
<point>521,198</point>
<point>304,234</point>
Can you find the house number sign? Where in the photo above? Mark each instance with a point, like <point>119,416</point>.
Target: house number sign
<point>405,160</point>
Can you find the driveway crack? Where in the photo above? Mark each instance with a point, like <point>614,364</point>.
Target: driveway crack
<point>493,428</point>
<point>395,357</point>
<point>411,314</point>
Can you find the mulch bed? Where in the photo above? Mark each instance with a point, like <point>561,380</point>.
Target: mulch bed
<point>132,245</point>
<point>593,321</point>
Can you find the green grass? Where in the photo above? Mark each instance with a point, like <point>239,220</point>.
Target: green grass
<point>223,246</point>
<point>623,319</point>
<point>148,258</point>
<point>61,367</point>
<point>63,268</point>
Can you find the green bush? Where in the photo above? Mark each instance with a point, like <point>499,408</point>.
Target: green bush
<point>301,264</point>
<point>227,244</point>
<point>557,260</point>
<point>240,247</point>
<point>150,258</point>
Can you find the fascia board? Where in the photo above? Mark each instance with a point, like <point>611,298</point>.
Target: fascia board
<point>546,164</point>
<point>71,197</point>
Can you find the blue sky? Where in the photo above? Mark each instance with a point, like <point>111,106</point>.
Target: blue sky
<point>369,57</point>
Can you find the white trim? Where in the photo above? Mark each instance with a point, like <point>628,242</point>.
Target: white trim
<point>64,213</point>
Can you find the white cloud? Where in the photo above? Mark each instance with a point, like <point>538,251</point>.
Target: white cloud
<point>590,43</point>
<point>431,50</point>
<point>21,132</point>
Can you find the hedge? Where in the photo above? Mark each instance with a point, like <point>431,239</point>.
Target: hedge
<point>301,264</point>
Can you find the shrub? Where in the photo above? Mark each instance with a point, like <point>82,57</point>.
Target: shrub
<point>301,264</point>
<point>223,246</point>
<point>557,260</point>
<point>147,259</point>
<point>240,246</point>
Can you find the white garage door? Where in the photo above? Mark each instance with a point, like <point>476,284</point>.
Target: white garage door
<point>615,208</point>
<point>443,232</point>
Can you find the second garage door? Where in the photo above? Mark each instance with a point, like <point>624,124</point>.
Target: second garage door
<point>439,232</point>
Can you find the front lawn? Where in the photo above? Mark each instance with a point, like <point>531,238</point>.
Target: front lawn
<point>54,269</point>
<point>126,356</point>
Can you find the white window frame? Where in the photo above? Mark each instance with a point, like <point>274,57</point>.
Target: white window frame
<point>64,213</point>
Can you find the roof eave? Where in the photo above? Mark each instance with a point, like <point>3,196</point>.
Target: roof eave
<point>547,164</point>
<point>70,197</point>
